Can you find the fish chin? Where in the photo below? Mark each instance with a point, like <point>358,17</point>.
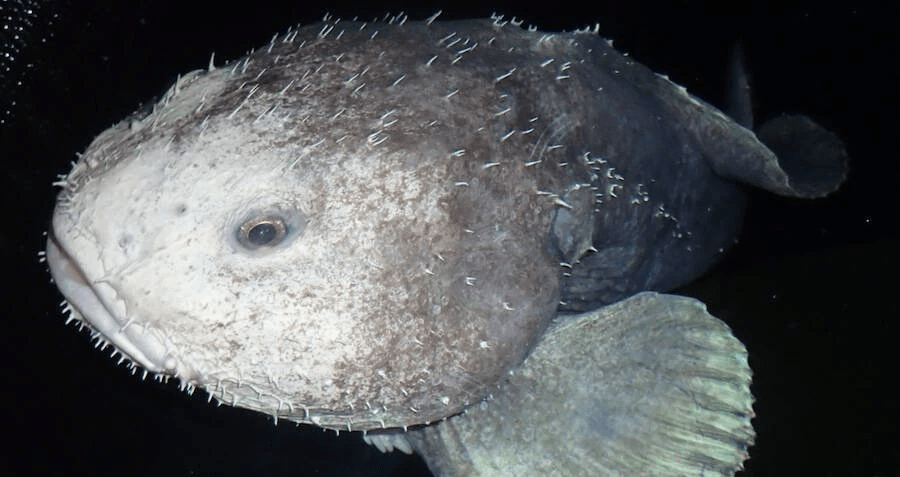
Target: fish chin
<point>87,304</point>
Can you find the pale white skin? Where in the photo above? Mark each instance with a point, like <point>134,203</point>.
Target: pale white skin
<point>158,229</point>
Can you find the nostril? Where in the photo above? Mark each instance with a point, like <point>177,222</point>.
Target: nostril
<point>125,241</point>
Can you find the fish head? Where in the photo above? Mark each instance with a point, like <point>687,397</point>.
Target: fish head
<point>281,255</point>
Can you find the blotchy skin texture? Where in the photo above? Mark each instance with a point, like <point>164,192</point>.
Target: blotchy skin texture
<point>443,188</point>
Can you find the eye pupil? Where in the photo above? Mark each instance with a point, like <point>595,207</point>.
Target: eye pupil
<point>262,231</point>
<point>262,234</point>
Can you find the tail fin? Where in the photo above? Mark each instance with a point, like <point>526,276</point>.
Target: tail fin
<point>790,155</point>
<point>812,157</point>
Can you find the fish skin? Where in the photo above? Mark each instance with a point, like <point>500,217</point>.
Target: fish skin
<point>432,177</point>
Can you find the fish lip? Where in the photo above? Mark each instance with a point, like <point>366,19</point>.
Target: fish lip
<point>132,340</point>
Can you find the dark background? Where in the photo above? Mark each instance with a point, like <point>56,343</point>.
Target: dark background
<point>810,289</point>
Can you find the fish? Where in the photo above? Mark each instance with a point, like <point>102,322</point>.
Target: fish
<point>374,226</point>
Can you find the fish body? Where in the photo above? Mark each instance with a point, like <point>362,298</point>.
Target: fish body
<point>369,225</point>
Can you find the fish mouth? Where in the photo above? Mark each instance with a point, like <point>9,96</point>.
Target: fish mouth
<point>89,304</point>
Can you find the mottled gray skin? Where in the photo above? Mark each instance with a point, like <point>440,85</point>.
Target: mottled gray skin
<point>494,176</point>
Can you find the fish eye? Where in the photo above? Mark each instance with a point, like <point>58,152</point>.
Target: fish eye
<point>263,231</point>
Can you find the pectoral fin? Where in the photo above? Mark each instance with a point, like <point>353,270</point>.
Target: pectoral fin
<point>652,385</point>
